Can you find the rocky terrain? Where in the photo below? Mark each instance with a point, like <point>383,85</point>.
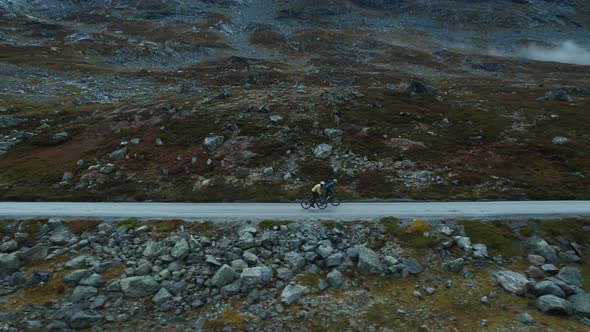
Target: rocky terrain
<point>385,275</point>
<point>254,100</point>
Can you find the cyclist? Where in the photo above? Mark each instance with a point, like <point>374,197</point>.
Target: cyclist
<point>330,188</point>
<point>316,191</point>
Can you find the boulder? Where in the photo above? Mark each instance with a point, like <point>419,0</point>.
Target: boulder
<point>335,278</point>
<point>332,132</point>
<point>295,261</point>
<point>526,319</point>
<point>72,278</point>
<point>139,286</point>
<point>83,293</point>
<point>412,266</point>
<point>108,169</point>
<point>8,246</point>
<point>94,280</point>
<point>420,86</point>
<point>60,136</point>
<point>276,119</point>
<point>536,259</point>
<point>552,304</point>
<point>540,247</point>
<point>258,275</point>
<point>581,304</point>
<point>334,259</point>
<point>9,263</point>
<point>180,249</point>
<point>549,287</point>
<point>569,257</point>
<point>223,276</point>
<point>83,319</point>
<point>212,143</point>
<point>571,275</point>
<point>292,293</point>
<point>246,241</point>
<point>368,262</point>
<point>557,95</point>
<point>36,253</point>
<point>456,265</point>
<point>323,151</point>
<point>512,282</point>
<point>119,154</point>
<point>161,296</point>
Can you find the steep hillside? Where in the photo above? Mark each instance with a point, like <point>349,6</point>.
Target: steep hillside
<point>257,100</point>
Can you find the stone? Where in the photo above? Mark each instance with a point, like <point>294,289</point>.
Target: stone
<point>581,304</point>
<point>420,86</point>
<point>223,276</point>
<point>512,282</point>
<point>239,265</point>
<point>8,246</point>
<point>159,142</point>
<point>246,241</point>
<point>108,169</point>
<point>292,293</point>
<point>463,242</point>
<point>412,266</point>
<point>60,136</point>
<point>35,253</point>
<point>295,261</point>
<point>549,268</point>
<point>276,119</point>
<point>38,277</point>
<point>569,257</point>
<point>534,272</point>
<point>180,249</point>
<point>525,318</point>
<point>335,278</point>
<point>324,250</point>
<point>284,274</point>
<point>139,286</point>
<point>94,280</point>
<point>559,140</point>
<point>332,132</point>
<point>268,171</point>
<point>82,320</point>
<point>67,177</point>
<point>480,250</point>
<point>161,296</point>
<point>212,143</point>
<point>536,259</point>
<point>334,259</point>
<point>323,151</point>
<point>417,294</point>
<point>118,154</point>
<point>9,263</point>
<point>552,304</point>
<point>548,287</point>
<point>557,95</point>
<point>456,265</point>
<point>83,293</point>
<point>571,275</point>
<point>540,247</point>
<point>368,262</point>
<point>258,275</point>
<point>98,302</point>
<point>74,262</point>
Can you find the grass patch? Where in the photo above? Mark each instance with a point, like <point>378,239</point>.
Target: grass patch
<point>328,223</point>
<point>391,225</point>
<point>129,223</point>
<point>571,229</point>
<point>164,227</point>
<point>311,280</point>
<point>381,315</point>
<point>231,318</point>
<point>270,224</point>
<point>375,185</point>
<point>497,236</point>
<point>79,227</point>
<point>32,228</point>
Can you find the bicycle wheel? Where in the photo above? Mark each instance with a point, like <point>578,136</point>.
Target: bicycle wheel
<point>321,205</point>
<point>335,201</point>
<point>305,204</point>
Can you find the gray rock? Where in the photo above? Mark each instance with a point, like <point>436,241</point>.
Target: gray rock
<point>554,305</point>
<point>292,293</point>
<point>412,266</point>
<point>525,318</point>
<point>571,275</point>
<point>61,236</point>
<point>456,265</point>
<point>549,268</point>
<point>557,95</point>
<point>10,121</point>
<point>8,246</point>
<point>82,319</point>
<point>549,287</point>
<point>332,132</point>
<point>161,296</point>
<point>108,169</point>
<point>284,274</point>
<point>98,302</point>
<point>368,262</point>
<point>246,241</point>
<point>180,249</point>
<point>72,278</point>
<point>36,253</point>
<point>250,258</point>
<point>335,278</point>
<point>83,293</point>
<point>569,257</point>
<point>559,140</point>
<point>119,154</point>
<point>534,272</point>
<point>334,259</point>
<point>324,250</point>
<point>239,265</point>
<point>94,280</point>
<point>581,304</point>
<point>463,242</point>
<point>212,143</point>
<point>420,86</point>
<point>268,171</point>
<point>9,263</point>
<point>254,276</point>
<point>540,247</point>
<point>60,136</point>
<point>223,276</point>
<point>67,177</point>
<point>512,282</point>
<point>139,286</point>
<point>295,261</point>
<point>276,119</point>
<point>536,259</point>
<point>323,151</point>
<point>480,250</point>
<point>74,262</point>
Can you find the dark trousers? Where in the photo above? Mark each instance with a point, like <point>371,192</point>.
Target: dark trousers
<point>314,198</point>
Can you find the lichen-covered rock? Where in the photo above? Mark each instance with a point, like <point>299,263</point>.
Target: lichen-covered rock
<point>292,293</point>
<point>552,304</point>
<point>368,262</point>
<point>512,282</point>
<point>223,276</point>
<point>9,263</point>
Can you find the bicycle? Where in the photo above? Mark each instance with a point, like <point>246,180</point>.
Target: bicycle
<point>332,199</point>
<point>320,203</point>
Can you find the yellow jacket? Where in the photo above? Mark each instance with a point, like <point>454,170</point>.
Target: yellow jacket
<point>317,189</point>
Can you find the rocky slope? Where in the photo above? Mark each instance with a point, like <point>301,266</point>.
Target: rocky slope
<point>255,100</point>
<point>274,275</point>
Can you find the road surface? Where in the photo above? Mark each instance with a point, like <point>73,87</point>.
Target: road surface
<point>292,211</point>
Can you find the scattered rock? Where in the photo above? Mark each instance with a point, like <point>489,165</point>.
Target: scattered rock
<point>552,304</point>
<point>292,293</point>
<point>525,318</point>
<point>223,276</point>
<point>212,143</point>
<point>581,304</point>
<point>512,282</point>
<point>368,262</point>
<point>456,265</point>
<point>119,154</point>
<point>9,263</point>
<point>335,278</point>
<point>420,86</point>
<point>323,151</point>
<point>557,95</point>
<point>139,286</point>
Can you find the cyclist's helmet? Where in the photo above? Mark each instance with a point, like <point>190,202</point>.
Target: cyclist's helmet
<point>335,180</point>
<point>322,183</point>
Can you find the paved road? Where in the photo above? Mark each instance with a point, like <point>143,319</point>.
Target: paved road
<point>291,211</point>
